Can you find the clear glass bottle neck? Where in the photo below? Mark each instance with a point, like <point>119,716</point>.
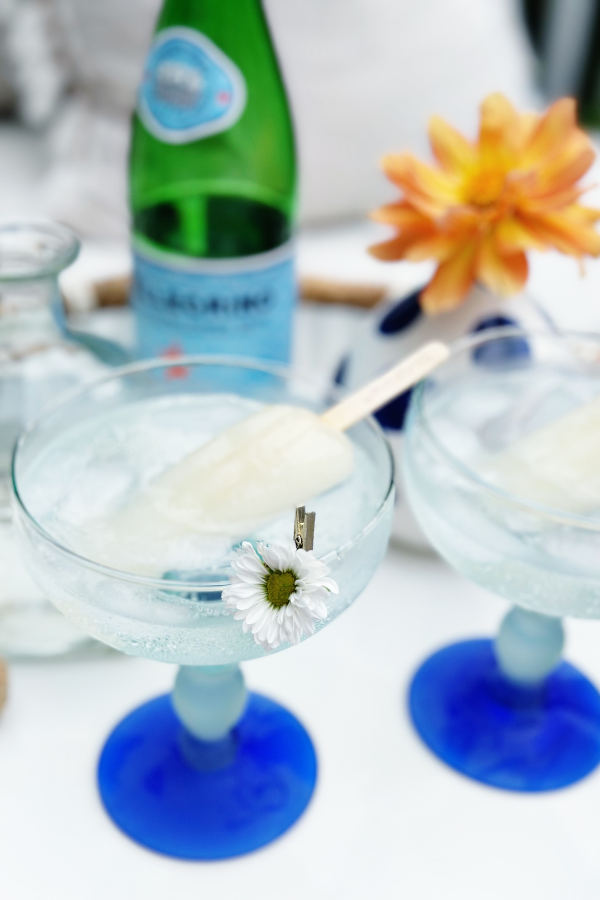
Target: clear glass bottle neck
<point>31,257</point>
<point>30,315</point>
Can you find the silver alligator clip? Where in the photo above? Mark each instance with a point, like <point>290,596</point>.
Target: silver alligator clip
<point>304,529</point>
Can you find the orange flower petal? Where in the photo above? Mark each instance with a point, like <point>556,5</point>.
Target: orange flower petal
<point>390,250</point>
<point>554,128</point>
<point>503,273</point>
<point>528,122</point>
<point>437,246</point>
<point>452,281</point>
<point>499,128</point>
<point>397,248</point>
<point>399,214</point>
<point>566,231</point>
<point>585,215</point>
<point>512,235</point>
<point>451,149</point>
<point>430,190</point>
<point>562,170</point>
<point>413,227</point>
<point>550,202</point>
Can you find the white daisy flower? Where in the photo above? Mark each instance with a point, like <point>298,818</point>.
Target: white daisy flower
<point>278,593</point>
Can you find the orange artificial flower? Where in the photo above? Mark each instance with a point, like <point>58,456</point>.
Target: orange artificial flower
<point>487,202</point>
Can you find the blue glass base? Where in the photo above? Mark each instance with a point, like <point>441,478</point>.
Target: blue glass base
<point>197,800</point>
<point>513,737</point>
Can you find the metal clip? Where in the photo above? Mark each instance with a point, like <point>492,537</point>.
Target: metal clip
<point>304,529</point>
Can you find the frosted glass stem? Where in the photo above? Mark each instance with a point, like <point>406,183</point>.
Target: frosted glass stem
<point>209,700</point>
<point>529,645</point>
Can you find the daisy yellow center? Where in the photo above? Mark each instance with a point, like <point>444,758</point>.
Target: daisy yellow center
<point>279,586</point>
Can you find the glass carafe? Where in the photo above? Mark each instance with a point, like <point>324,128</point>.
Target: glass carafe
<point>38,361</point>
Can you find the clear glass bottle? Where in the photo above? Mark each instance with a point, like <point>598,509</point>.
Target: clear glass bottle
<point>39,359</point>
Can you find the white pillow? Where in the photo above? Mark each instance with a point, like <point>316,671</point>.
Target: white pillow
<point>365,75</point>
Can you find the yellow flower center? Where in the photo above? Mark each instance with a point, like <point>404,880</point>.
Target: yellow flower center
<point>484,186</point>
<point>279,587</point>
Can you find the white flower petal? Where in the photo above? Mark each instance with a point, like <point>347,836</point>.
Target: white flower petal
<point>296,635</point>
<point>276,556</point>
<point>319,610</point>
<point>260,633</point>
<point>308,627</point>
<point>254,614</point>
<point>272,645</point>
<point>320,594</point>
<point>268,555</point>
<point>242,589</point>
<point>272,631</point>
<point>247,550</point>
<point>331,585</point>
<point>249,571</point>
<point>248,602</point>
<point>242,616</point>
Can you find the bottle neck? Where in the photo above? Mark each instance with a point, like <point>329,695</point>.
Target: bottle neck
<point>30,315</point>
<point>208,14</point>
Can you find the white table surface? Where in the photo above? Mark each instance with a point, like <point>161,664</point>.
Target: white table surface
<point>388,820</point>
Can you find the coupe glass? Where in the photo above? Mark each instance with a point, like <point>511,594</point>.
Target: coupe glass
<point>209,771</point>
<point>509,713</point>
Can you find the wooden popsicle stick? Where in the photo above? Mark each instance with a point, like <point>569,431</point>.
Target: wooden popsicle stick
<point>383,389</point>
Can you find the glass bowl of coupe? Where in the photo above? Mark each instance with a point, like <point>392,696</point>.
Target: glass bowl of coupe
<point>134,499</point>
<point>501,467</point>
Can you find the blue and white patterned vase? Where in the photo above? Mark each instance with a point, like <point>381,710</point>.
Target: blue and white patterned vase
<point>395,329</point>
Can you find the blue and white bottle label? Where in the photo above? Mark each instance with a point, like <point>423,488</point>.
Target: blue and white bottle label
<point>238,307</point>
<point>190,88</point>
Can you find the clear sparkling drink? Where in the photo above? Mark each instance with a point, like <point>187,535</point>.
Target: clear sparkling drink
<point>546,560</point>
<point>87,475</point>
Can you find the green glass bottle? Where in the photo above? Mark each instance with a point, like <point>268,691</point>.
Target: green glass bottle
<point>213,187</point>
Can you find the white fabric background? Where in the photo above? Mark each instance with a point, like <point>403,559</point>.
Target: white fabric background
<point>363,76</point>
